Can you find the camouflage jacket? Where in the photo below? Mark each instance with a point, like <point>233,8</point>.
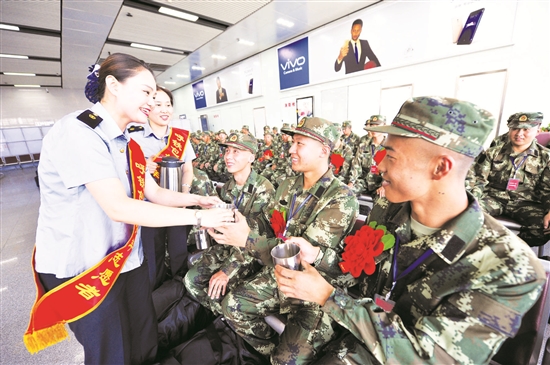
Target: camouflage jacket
<point>343,172</point>
<point>363,180</point>
<point>327,217</point>
<point>352,140</point>
<point>500,140</point>
<point>250,200</point>
<point>494,168</point>
<point>363,143</point>
<point>282,161</point>
<point>458,305</point>
<point>262,161</point>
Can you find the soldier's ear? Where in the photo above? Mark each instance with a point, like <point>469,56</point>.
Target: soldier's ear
<point>251,158</point>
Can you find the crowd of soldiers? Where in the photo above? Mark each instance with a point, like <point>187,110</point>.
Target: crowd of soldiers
<point>352,159</point>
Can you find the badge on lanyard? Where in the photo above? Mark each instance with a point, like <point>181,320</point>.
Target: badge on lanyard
<point>513,184</point>
<point>386,304</point>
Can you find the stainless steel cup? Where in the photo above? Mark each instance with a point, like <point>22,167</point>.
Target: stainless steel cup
<point>203,239</point>
<point>287,255</point>
<point>224,206</point>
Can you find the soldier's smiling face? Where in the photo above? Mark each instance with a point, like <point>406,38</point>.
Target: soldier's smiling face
<point>521,138</point>
<point>236,160</point>
<point>304,153</point>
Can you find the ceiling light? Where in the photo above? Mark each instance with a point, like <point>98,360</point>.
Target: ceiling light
<point>218,57</point>
<point>245,42</point>
<point>182,76</point>
<point>285,23</point>
<point>26,85</point>
<point>197,68</point>
<point>178,14</point>
<point>13,56</point>
<point>18,74</point>
<point>170,82</point>
<point>9,27</point>
<point>144,46</point>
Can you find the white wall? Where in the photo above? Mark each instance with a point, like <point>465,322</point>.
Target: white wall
<point>526,61</point>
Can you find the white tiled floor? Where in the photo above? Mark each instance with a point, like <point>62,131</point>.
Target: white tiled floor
<point>19,200</point>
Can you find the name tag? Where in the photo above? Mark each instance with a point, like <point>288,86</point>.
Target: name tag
<point>513,184</point>
<point>386,304</point>
<point>374,169</point>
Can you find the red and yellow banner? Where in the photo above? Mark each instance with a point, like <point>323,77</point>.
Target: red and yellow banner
<point>82,294</point>
<point>177,141</point>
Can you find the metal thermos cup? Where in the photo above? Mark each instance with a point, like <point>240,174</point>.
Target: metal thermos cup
<point>171,173</point>
<point>287,255</point>
<point>202,239</point>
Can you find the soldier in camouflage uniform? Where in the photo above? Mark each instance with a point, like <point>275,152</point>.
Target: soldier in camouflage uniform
<point>348,137</point>
<point>223,267</point>
<point>283,164</point>
<point>341,158</point>
<point>445,295</point>
<point>365,140</point>
<point>514,179</point>
<point>317,208</point>
<point>245,129</point>
<point>364,177</point>
<point>266,155</point>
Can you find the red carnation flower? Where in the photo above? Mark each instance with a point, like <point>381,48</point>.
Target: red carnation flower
<point>337,160</point>
<point>278,223</point>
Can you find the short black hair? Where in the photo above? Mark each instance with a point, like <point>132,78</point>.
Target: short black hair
<point>357,21</point>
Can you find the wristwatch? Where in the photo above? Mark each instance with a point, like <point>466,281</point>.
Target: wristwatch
<point>198,215</point>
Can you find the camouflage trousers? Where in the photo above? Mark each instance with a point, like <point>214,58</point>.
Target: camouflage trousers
<point>307,331</point>
<point>212,260</point>
<point>346,350</point>
<point>528,214</point>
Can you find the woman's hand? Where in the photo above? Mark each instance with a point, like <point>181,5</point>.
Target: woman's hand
<point>151,164</point>
<point>217,217</point>
<point>209,201</point>
<point>308,252</point>
<point>218,283</point>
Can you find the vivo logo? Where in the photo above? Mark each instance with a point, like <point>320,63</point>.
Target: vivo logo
<point>297,62</point>
<point>199,94</point>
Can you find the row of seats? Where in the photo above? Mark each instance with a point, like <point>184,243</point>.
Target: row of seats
<point>19,160</point>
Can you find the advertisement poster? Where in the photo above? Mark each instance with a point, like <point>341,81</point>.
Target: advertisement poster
<point>294,64</point>
<point>198,94</point>
<point>241,81</point>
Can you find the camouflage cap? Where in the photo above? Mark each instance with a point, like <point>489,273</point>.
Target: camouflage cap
<point>454,124</point>
<point>375,120</point>
<point>221,131</point>
<point>275,128</point>
<point>346,123</point>
<point>245,127</point>
<point>525,120</point>
<point>198,134</point>
<point>242,142</point>
<point>267,128</point>
<point>285,126</point>
<point>318,129</point>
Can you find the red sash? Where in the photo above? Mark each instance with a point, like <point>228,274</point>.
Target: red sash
<point>177,141</point>
<point>82,294</point>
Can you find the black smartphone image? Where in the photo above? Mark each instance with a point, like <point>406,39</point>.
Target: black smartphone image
<point>470,28</point>
<point>251,86</point>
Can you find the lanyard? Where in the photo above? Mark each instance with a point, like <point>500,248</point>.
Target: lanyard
<point>516,168</point>
<point>294,212</point>
<point>238,204</point>
<point>413,266</point>
<point>372,150</point>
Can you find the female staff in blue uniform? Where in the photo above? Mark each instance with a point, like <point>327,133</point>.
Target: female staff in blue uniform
<point>156,138</point>
<point>88,256</point>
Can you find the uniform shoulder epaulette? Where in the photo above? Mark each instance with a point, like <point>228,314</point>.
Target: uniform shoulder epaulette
<point>135,128</point>
<point>90,118</point>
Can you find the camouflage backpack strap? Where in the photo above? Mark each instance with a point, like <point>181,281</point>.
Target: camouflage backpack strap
<point>90,118</point>
<point>334,187</point>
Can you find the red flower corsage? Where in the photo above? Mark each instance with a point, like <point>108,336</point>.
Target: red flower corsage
<point>337,160</point>
<point>379,156</point>
<point>361,249</point>
<point>278,223</point>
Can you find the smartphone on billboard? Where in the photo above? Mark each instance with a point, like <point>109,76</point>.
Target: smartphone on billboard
<point>251,86</point>
<point>470,28</point>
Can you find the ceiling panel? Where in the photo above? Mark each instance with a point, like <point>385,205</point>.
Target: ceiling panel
<point>32,66</point>
<point>159,58</point>
<point>29,44</point>
<point>39,14</point>
<point>229,12</point>
<point>146,28</point>
<point>26,80</point>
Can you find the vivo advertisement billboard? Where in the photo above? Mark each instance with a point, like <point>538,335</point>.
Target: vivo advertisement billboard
<point>198,94</point>
<point>294,64</point>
